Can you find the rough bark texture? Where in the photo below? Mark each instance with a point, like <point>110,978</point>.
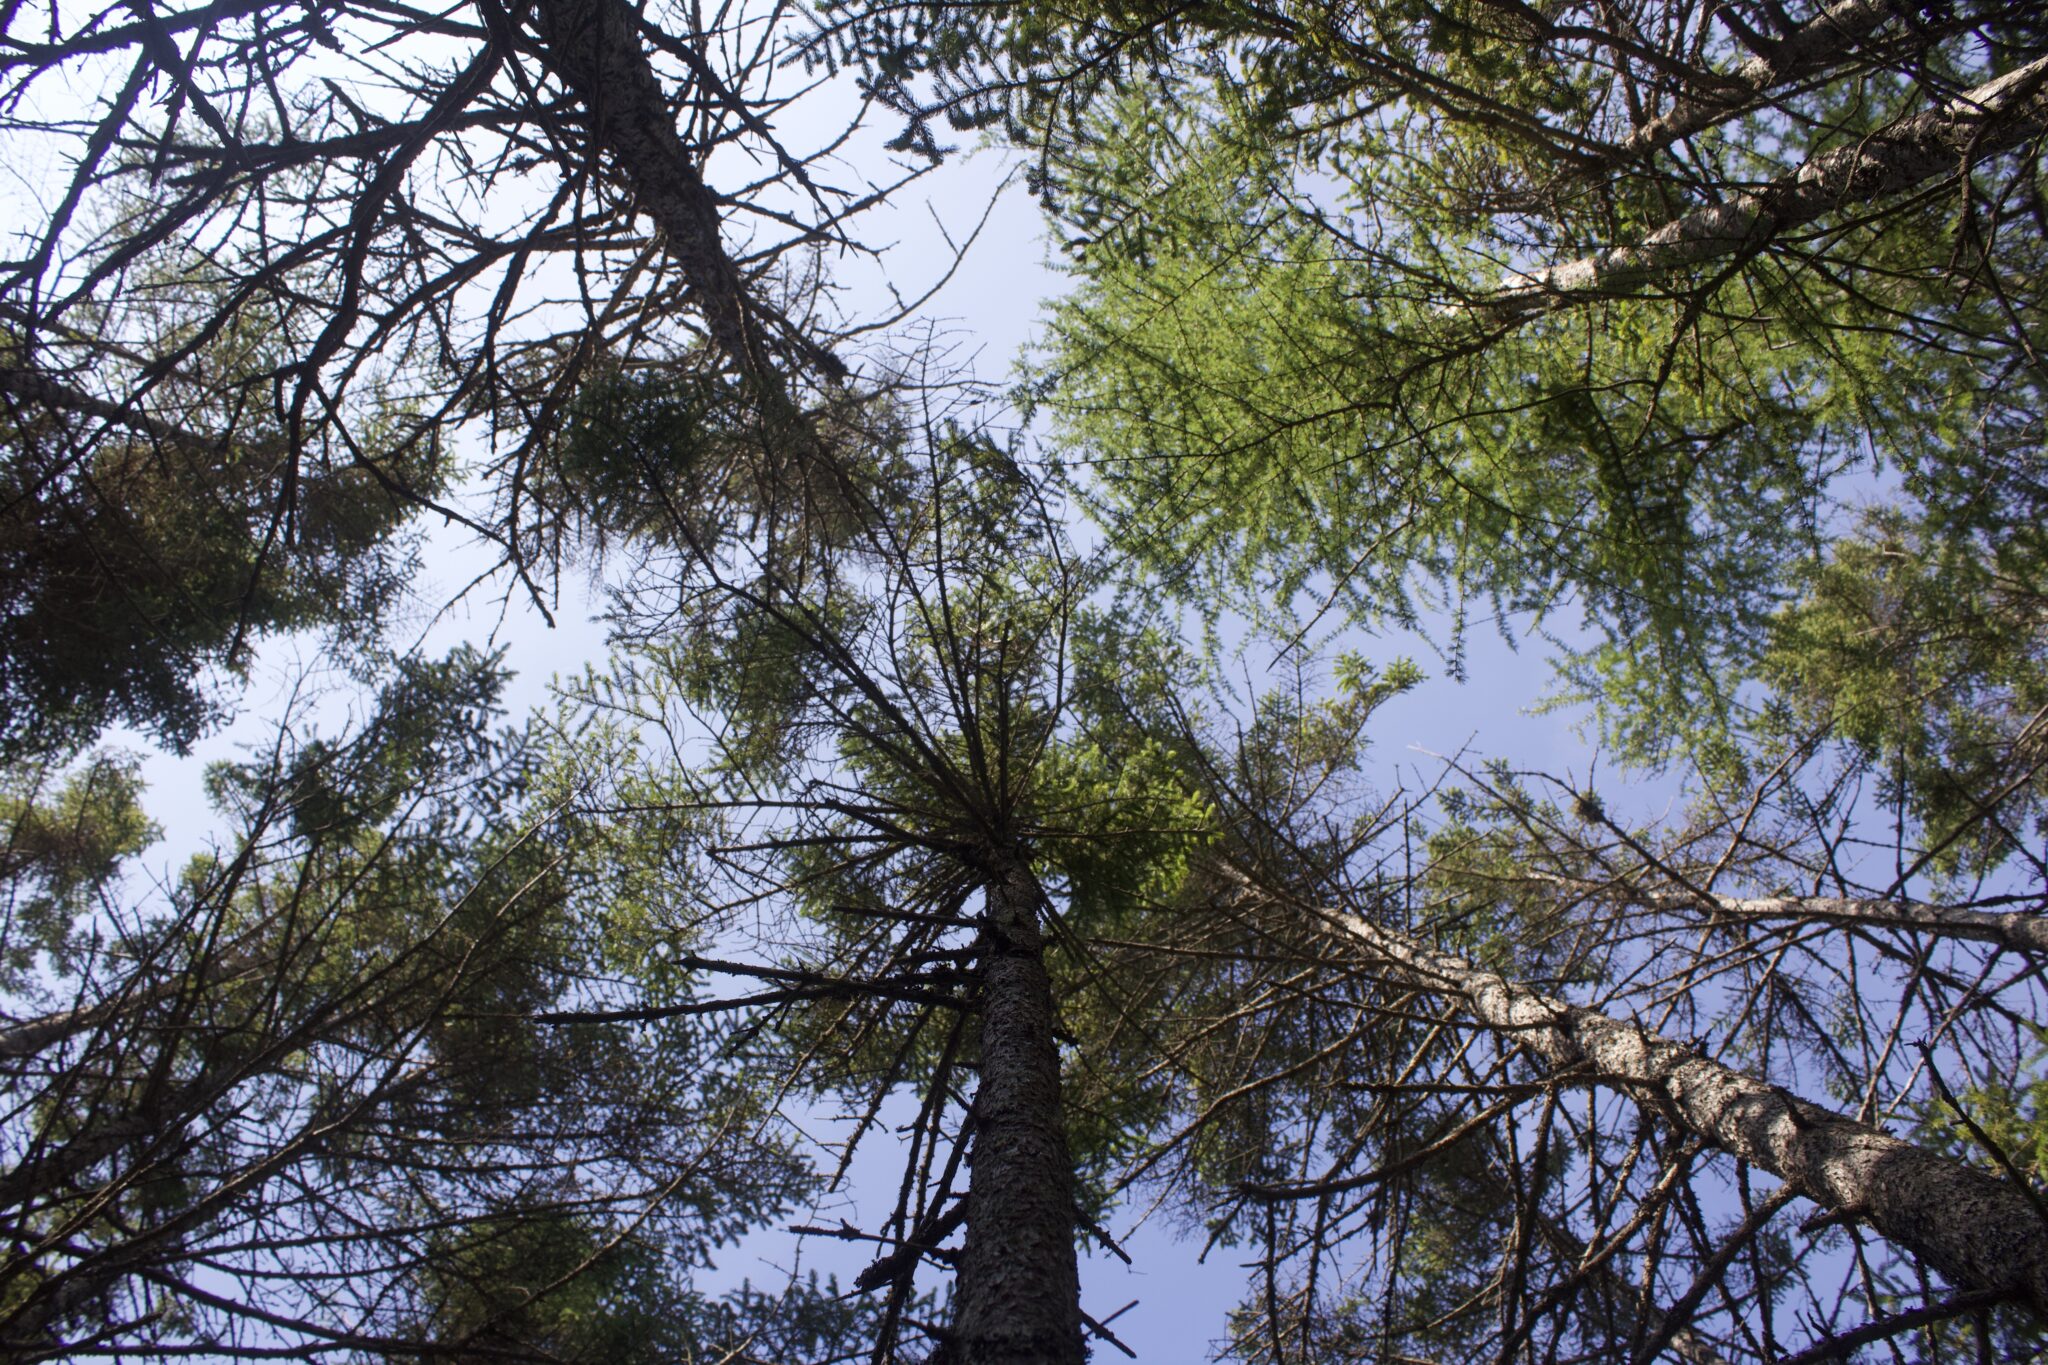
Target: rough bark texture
<point>594,46</point>
<point>1988,119</point>
<point>1019,1296</point>
<point>1981,1232</point>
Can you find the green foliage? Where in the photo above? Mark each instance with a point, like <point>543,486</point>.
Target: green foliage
<point>431,722</point>
<point>866,732</point>
<point>2010,1119</point>
<point>683,457</point>
<point>449,991</point>
<point>1280,380</point>
<point>554,1287</point>
<point>67,837</point>
<point>137,566</point>
<point>1926,653</point>
<point>550,1288</point>
<point>1487,861</point>
<point>1281,408</point>
<point>642,447</point>
<point>2000,1127</point>
<point>1192,1067</point>
<point>325,1069</point>
<point>1117,829</point>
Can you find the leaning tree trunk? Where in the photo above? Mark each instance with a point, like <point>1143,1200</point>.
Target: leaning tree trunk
<point>2018,932</point>
<point>1993,117</point>
<point>1822,43</point>
<point>1018,1296</point>
<point>1981,1232</point>
<point>595,47</point>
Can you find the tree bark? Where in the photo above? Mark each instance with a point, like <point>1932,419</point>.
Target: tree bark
<point>1981,1232</point>
<point>2021,933</point>
<point>1019,1296</point>
<point>1821,43</point>
<point>2016,931</point>
<point>1987,119</point>
<point>594,46</point>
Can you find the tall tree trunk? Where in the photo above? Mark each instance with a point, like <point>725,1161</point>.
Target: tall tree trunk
<point>1993,117</point>
<point>1981,1232</point>
<point>595,47</point>
<point>1823,42</point>
<point>1019,1290</point>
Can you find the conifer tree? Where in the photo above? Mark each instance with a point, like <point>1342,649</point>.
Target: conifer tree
<point>302,1101</point>
<point>1597,319</point>
<point>467,1043</point>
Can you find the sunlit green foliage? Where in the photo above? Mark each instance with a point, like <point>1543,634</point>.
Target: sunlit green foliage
<point>1928,655</point>
<point>1283,379</point>
<point>1269,377</point>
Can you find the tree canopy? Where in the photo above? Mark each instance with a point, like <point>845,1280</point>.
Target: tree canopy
<point>1596,317</point>
<point>1006,791</point>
